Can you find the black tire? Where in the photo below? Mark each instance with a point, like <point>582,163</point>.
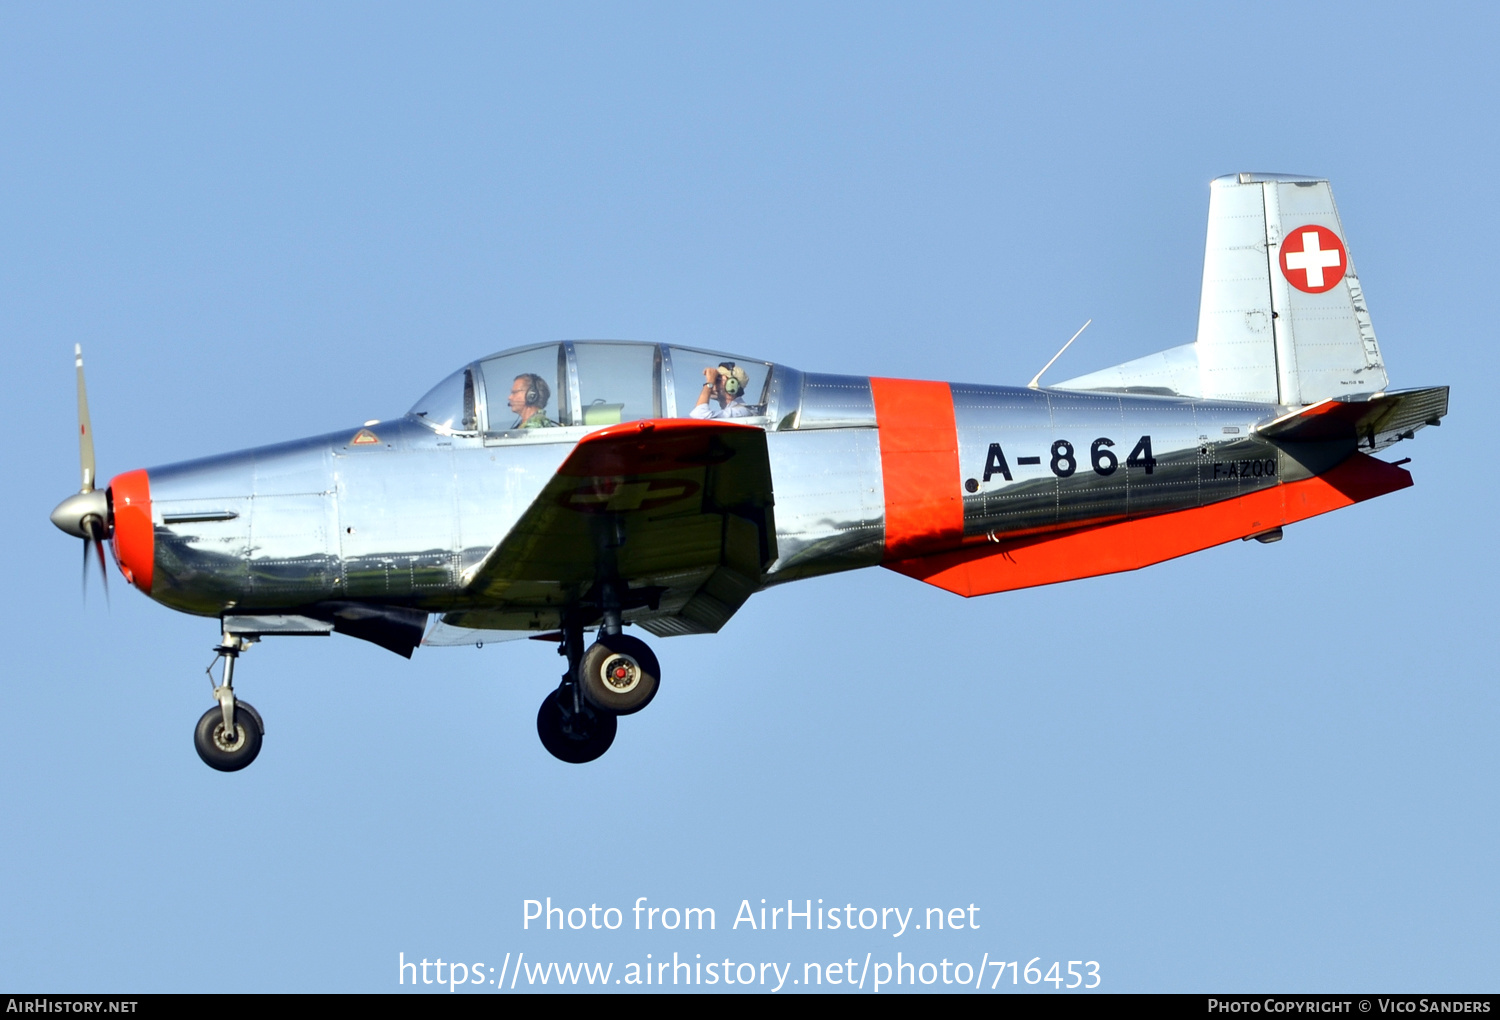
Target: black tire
<point>619,674</point>
<point>228,756</point>
<point>574,737</point>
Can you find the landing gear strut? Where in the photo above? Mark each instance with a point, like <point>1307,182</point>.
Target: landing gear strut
<point>571,729</point>
<point>228,736</point>
<point>618,675</point>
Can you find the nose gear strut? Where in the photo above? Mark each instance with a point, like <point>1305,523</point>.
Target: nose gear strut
<point>228,737</point>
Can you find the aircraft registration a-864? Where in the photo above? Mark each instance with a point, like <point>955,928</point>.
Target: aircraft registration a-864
<point>577,488</point>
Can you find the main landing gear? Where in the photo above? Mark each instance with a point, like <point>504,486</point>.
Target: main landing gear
<point>229,734</point>
<point>618,675</point>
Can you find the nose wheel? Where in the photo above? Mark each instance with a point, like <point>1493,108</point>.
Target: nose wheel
<point>228,735</point>
<point>228,750</point>
<point>618,675</point>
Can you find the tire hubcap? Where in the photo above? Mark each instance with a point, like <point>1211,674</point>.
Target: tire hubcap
<point>229,745</point>
<point>622,674</point>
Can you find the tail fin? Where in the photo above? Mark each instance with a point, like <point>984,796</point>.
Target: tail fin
<point>1282,318</point>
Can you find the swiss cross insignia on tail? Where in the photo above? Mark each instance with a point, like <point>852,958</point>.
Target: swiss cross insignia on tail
<point>1313,259</point>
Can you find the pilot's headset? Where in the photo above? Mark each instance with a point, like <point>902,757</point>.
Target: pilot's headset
<point>537,393</point>
<point>735,378</point>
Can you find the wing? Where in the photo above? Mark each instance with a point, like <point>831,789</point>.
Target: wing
<point>678,509</point>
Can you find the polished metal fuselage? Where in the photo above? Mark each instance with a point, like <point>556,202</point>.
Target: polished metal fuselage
<point>400,521</point>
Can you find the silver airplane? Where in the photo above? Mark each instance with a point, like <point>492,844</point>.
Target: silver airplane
<point>579,487</point>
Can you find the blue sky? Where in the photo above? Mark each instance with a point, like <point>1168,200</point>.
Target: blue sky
<point>1261,767</point>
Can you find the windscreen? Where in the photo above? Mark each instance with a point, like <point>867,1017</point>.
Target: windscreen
<point>449,406</point>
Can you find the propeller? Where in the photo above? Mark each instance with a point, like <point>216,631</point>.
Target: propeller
<point>86,514</point>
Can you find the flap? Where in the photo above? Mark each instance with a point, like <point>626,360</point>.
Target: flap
<point>678,508</point>
<point>396,628</point>
<point>445,635</point>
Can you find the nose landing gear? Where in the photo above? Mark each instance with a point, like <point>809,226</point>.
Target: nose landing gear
<point>618,675</point>
<point>228,736</point>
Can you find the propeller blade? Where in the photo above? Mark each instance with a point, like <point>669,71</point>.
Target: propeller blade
<point>85,429</point>
<point>103,572</point>
<point>93,535</point>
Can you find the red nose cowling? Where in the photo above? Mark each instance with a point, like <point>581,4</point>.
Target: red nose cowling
<point>135,540</point>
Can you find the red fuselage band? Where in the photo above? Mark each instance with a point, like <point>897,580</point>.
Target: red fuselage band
<point>924,510</point>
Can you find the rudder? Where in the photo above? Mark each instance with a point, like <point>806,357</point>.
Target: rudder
<point>1282,318</point>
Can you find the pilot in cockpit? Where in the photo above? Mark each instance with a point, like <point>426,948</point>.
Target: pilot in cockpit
<point>723,393</point>
<point>528,400</point>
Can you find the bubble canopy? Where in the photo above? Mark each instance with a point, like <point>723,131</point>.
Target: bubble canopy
<point>593,383</point>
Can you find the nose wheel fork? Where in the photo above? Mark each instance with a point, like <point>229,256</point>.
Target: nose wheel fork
<point>228,737</point>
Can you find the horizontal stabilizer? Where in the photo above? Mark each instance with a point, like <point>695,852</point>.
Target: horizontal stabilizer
<point>1376,421</point>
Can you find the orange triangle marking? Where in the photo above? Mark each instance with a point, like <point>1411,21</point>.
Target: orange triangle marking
<point>364,437</point>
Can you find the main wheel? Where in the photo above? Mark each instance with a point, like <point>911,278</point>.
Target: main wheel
<point>228,752</point>
<point>574,737</point>
<point>619,674</point>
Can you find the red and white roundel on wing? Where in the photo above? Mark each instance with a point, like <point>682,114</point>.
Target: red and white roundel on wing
<point>1313,259</point>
